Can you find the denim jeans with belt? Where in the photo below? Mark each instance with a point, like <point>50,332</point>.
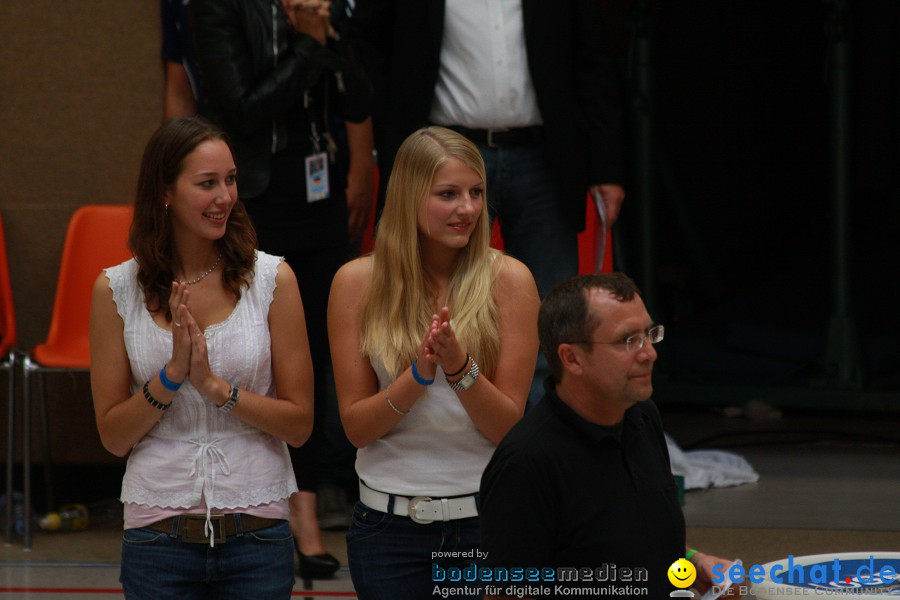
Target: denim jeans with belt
<point>160,566</point>
<point>391,556</point>
<point>521,193</point>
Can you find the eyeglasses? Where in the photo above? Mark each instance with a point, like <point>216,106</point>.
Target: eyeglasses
<point>635,342</point>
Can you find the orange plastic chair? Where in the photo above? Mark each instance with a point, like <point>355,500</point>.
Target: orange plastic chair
<point>8,359</point>
<point>96,238</point>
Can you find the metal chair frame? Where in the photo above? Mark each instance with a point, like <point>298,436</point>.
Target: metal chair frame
<point>90,244</point>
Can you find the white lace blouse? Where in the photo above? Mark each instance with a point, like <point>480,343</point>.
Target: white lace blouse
<point>197,454</point>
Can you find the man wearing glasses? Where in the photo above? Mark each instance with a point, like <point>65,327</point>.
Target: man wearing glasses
<point>583,480</point>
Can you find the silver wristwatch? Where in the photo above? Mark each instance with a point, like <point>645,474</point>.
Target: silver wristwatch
<point>233,397</point>
<point>467,380</point>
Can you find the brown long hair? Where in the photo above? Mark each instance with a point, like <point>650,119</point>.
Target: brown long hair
<point>150,237</point>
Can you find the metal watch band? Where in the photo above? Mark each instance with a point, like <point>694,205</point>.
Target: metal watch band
<point>467,380</point>
<point>232,399</point>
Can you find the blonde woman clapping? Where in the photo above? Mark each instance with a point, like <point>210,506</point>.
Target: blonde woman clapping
<point>433,340</point>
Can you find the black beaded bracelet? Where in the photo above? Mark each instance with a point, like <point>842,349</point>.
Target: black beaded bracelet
<point>153,401</point>
<point>455,373</point>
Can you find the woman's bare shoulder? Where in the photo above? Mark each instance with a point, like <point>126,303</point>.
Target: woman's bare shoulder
<point>356,270</point>
<point>513,275</point>
<point>353,277</point>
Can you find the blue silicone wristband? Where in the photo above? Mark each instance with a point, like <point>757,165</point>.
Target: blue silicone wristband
<point>167,383</point>
<point>419,379</point>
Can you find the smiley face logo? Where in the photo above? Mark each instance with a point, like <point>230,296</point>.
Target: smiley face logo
<point>682,573</point>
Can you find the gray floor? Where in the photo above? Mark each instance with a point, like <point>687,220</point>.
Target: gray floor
<point>825,471</point>
<point>828,484</point>
<point>822,486</point>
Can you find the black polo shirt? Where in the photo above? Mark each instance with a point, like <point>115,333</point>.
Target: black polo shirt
<point>563,492</point>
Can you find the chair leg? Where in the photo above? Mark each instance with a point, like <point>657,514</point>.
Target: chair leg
<point>45,430</point>
<point>10,446</point>
<point>26,450</point>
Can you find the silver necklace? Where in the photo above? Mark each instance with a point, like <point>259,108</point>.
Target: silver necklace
<point>202,277</point>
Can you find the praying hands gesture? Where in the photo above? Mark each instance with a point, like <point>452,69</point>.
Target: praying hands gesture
<point>425,364</point>
<point>441,346</point>
<point>179,366</point>
<point>190,357</point>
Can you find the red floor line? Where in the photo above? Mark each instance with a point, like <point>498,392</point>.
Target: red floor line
<point>25,590</point>
<point>12,590</point>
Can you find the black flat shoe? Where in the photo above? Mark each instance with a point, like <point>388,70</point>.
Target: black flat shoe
<point>317,566</point>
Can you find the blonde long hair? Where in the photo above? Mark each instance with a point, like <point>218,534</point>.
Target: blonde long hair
<point>396,311</point>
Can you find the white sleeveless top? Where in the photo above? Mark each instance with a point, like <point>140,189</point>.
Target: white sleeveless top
<point>433,451</point>
<point>196,452</point>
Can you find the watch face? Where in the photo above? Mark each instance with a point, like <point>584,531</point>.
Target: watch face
<point>467,380</point>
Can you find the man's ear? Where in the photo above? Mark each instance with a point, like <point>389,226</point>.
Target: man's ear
<point>570,355</point>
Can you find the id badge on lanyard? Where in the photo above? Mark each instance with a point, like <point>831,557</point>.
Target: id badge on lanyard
<point>317,177</point>
<point>317,187</point>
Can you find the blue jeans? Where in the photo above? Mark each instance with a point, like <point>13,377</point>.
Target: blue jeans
<point>393,558</point>
<point>521,193</point>
<point>160,566</point>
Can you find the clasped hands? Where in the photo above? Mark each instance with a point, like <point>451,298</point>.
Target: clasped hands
<point>440,347</point>
<point>189,353</point>
<point>311,17</point>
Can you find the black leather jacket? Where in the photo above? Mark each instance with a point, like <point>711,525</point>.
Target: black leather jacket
<point>269,86</point>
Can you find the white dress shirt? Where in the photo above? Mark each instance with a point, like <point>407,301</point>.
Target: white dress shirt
<point>483,81</point>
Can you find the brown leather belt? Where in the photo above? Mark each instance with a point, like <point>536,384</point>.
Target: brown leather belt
<point>191,528</point>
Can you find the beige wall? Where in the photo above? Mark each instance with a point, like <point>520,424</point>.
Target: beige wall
<point>80,93</point>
